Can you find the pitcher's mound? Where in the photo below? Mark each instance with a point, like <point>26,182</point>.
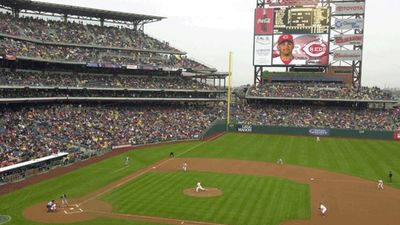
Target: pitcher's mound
<point>209,192</point>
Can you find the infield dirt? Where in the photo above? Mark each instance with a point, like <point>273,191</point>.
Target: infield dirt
<point>350,200</point>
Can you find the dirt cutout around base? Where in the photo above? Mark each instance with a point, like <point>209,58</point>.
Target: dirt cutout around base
<point>349,200</point>
<point>209,192</point>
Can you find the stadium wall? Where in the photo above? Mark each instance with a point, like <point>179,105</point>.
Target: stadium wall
<point>217,127</point>
<point>220,126</point>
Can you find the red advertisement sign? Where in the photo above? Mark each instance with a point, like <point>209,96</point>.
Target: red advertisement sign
<point>396,136</point>
<point>349,39</point>
<point>264,20</point>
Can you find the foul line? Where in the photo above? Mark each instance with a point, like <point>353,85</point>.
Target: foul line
<point>137,175</point>
<point>151,218</point>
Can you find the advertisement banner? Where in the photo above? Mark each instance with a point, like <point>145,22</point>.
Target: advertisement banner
<point>349,39</point>
<point>92,64</point>
<point>131,67</point>
<point>345,24</point>
<point>301,20</point>
<point>262,50</point>
<point>396,136</point>
<point>300,49</point>
<point>264,21</point>
<point>349,8</point>
<point>319,132</point>
<point>291,2</point>
<point>245,128</point>
<point>352,55</point>
<point>11,57</point>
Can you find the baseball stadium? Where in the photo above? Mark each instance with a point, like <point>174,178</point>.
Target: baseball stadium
<point>103,124</point>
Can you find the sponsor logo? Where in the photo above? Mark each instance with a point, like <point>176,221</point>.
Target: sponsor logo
<point>265,20</point>
<point>245,128</point>
<point>349,24</point>
<point>350,8</point>
<point>349,39</point>
<point>315,49</point>
<point>347,55</point>
<point>319,132</point>
<point>263,40</point>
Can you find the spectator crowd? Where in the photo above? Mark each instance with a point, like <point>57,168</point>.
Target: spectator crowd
<point>71,32</point>
<point>48,79</point>
<point>32,132</point>
<point>315,116</point>
<point>318,90</point>
<point>71,41</point>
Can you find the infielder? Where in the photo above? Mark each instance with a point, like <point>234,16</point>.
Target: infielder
<point>380,184</point>
<point>64,201</point>
<point>184,166</point>
<point>199,187</point>
<point>322,209</point>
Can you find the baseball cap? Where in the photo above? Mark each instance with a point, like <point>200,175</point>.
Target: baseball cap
<point>285,37</point>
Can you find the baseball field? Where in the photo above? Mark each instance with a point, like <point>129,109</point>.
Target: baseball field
<point>244,185</point>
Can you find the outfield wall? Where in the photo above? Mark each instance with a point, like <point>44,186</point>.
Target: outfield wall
<point>220,126</point>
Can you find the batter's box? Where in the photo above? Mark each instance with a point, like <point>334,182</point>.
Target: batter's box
<point>73,209</point>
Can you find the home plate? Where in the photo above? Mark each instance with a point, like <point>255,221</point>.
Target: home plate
<point>73,210</point>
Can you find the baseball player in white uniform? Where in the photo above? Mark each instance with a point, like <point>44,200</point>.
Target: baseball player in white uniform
<point>380,184</point>
<point>127,160</point>
<point>322,209</point>
<point>184,166</point>
<point>199,187</point>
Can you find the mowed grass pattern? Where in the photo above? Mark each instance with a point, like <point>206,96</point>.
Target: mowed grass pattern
<point>246,200</point>
<point>370,159</point>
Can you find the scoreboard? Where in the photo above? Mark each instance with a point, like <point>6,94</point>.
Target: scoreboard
<point>305,28</point>
<point>301,20</point>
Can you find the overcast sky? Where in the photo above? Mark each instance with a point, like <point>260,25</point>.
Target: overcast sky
<point>208,29</point>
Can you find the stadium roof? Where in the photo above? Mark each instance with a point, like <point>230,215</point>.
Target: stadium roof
<point>78,11</point>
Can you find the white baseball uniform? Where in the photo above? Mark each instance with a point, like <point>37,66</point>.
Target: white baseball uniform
<point>199,187</point>
<point>323,209</point>
<point>380,184</point>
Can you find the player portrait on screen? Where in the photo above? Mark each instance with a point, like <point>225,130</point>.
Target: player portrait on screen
<point>285,48</point>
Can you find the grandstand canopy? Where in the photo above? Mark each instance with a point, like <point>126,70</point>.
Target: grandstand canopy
<point>78,11</point>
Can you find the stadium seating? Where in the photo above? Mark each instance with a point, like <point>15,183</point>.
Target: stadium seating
<point>318,90</point>
<point>32,132</point>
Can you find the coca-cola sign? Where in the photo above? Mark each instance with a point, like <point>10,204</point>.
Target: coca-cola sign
<point>264,21</point>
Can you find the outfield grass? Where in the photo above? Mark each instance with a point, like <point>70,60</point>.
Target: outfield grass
<point>370,159</point>
<point>250,200</point>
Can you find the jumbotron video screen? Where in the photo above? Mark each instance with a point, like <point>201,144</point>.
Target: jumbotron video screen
<point>291,36</point>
